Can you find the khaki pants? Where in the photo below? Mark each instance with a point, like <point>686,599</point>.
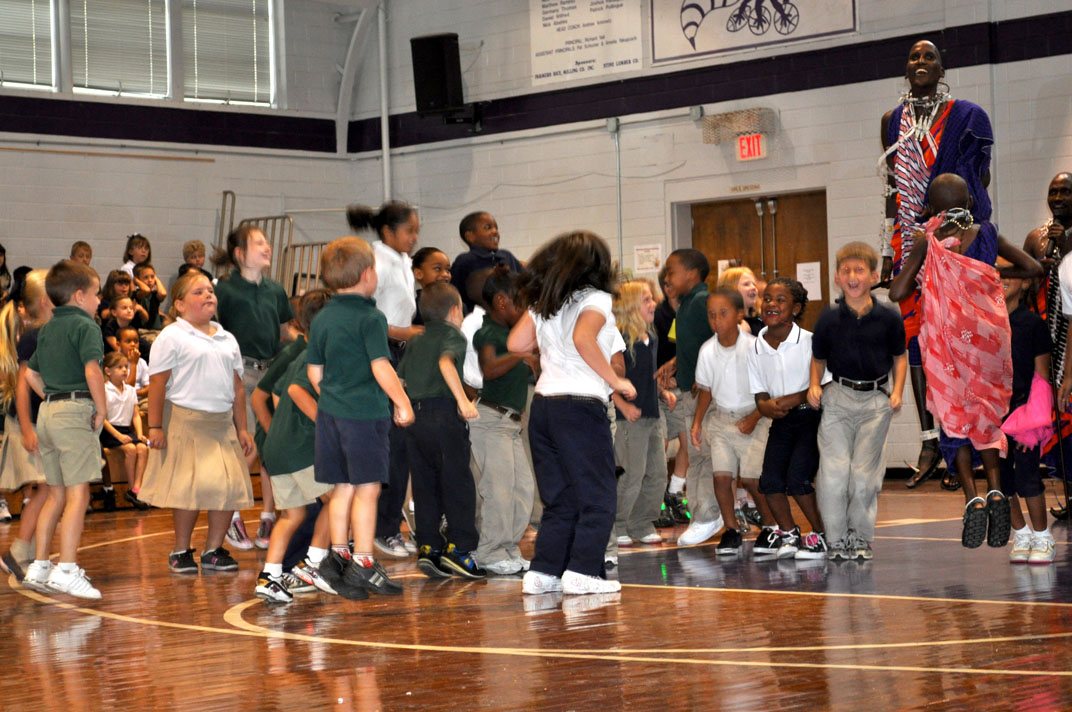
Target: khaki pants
<point>638,448</point>
<point>699,481</point>
<point>504,484</point>
<point>852,463</point>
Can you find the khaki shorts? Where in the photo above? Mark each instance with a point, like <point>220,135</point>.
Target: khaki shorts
<point>732,450</point>
<point>297,489</point>
<point>69,446</point>
<point>675,419</point>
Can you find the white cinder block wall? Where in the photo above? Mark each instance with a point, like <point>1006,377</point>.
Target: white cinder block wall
<point>538,182</point>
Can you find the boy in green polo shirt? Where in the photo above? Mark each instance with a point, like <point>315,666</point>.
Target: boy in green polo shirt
<point>65,371</point>
<point>686,271</point>
<point>504,476</point>
<point>349,366</point>
<point>438,445</point>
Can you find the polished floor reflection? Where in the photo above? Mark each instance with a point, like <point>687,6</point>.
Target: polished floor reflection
<point>925,624</point>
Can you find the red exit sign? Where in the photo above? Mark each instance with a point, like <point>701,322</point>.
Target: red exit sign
<point>751,147</point>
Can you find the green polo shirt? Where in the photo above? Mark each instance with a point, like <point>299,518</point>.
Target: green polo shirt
<point>290,444</point>
<point>692,331</point>
<point>345,338</point>
<point>512,388</point>
<point>420,364</point>
<point>273,375</point>
<point>69,341</point>
<point>253,312</point>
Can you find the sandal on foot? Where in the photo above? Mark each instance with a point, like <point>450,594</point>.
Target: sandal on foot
<point>997,511</point>
<point>950,482</point>
<point>975,520</point>
<point>924,471</point>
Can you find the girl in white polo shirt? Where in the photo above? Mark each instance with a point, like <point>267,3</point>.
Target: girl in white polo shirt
<point>567,288</point>
<point>197,426</point>
<point>779,369</point>
<point>122,426</point>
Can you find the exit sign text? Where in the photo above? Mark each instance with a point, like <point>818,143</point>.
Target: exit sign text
<point>751,147</point>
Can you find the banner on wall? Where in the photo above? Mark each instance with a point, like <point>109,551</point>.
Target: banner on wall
<point>573,39</point>
<point>690,29</point>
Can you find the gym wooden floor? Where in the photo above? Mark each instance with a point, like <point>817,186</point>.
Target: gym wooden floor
<point>925,624</point>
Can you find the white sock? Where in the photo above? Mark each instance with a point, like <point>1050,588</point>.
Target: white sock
<point>68,567</point>
<point>236,515</point>
<point>1045,533</point>
<point>1025,530</point>
<point>273,569</point>
<point>268,515</point>
<point>316,555</point>
<point>43,563</point>
<point>677,484</point>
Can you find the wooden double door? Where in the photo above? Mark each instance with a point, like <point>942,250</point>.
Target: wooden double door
<point>772,235</point>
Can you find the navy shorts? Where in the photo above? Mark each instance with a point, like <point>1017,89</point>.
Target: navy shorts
<point>350,452</point>
<point>1020,472</point>
<point>792,455</point>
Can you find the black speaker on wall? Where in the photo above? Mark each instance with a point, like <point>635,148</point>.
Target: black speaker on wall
<point>437,73</point>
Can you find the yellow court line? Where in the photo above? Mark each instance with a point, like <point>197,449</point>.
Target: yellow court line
<point>234,617</point>
<point>838,594</point>
<point>241,627</point>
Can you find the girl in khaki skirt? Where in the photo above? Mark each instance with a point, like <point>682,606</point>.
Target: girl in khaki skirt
<point>197,426</point>
<point>22,317</point>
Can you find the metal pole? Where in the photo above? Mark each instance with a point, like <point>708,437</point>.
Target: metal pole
<point>385,133</point>
<point>618,157</point>
<point>772,207</point>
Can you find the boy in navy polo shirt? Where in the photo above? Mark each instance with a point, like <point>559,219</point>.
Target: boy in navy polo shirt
<point>481,233</point>
<point>349,366</point>
<point>65,371</point>
<point>859,341</point>
<point>438,442</point>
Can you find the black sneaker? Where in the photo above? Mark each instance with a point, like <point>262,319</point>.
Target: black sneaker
<point>371,578</point>
<point>182,562</point>
<point>666,518</point>
<point>272,589</point>
<point>108,499</point>
<point>999,525</point>
<point>134,501</point>
<point>678,506</point>
<point>767,542</point>
<point>332,570</point>
<point>975,520</point>
<point>812,546</point>
<point>752,514</point>
<point>462,563</point>
<point>729,544</point>
<point>430,562</point>
<point>218,560</point>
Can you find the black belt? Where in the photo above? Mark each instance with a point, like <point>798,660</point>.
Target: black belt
<point>67,395</point>
<point>862,385</point>
<point>508,412</point>
<point>260,364</point>
<point>576,399</point>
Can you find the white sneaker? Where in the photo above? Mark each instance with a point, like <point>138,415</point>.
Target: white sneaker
<point>625,541</point>
<point>1021,547</point>
<point>75,583</point>
<point>699,532</point>
<point>5,513</point>
<point>652,538</point>
<point>506,567</point>
<point>37,576</point>
<point>521,561</point>
<point>536,583</point>
<point>578,584</point>
<point>1043,549</point>
<point>610,560</point>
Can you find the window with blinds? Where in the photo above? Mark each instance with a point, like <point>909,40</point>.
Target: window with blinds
<point>226,50</point>
<point>25,43</point>
<point>119,46</point>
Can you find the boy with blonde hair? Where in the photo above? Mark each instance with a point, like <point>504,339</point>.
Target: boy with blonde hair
<point>859,340</point>
<point>349,367</point>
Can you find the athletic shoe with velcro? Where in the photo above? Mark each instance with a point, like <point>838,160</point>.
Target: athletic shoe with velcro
<point>372,578</point>
<point>272,589</point>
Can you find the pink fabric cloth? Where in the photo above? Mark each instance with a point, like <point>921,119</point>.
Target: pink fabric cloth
<point>1032,423</point>
<point>966,344</point>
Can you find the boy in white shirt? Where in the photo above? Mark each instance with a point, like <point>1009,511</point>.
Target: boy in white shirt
<point>736,431</point>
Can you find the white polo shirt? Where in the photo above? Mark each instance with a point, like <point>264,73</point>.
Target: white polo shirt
<point>202,366</point>
<point>141,379</point>
<point>472,375</point>
<point>724,372</point>
<point>782,371</point>
<point>121,404</point>
<point>562,370</point>
<point>396,288</point>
